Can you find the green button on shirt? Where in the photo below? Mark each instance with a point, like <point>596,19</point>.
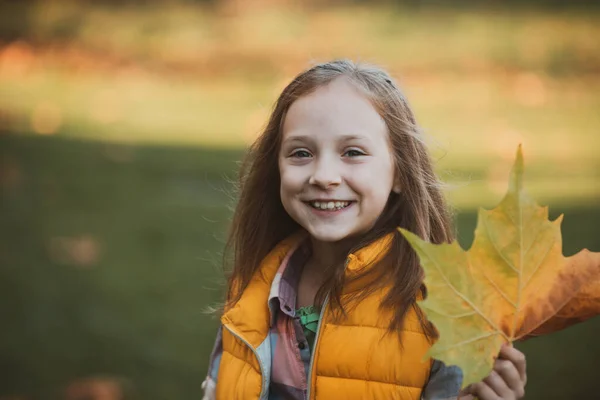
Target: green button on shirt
<point>309,319</point>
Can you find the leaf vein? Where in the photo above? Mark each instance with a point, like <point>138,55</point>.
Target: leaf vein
<point>465,342</point>
<point>537,267</point>
<point>495,246</point>
<point>504,295</point>
<point>443,314</point>
<point>459,294</point>
<point>492,282</point>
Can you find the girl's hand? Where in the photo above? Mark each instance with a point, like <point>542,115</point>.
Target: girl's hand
<point>506,381</point>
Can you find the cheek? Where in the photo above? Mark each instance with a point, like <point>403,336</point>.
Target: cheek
<point>371,183</point>
<point>290,179</point>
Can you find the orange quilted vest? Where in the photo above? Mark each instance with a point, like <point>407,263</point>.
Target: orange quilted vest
<point>352,359</point>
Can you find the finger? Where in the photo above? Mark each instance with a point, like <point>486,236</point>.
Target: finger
<point>483,391</point>
<point>507,372</point>
<point>517,358</point>
<point>466,393</point>
<point>498,385</point>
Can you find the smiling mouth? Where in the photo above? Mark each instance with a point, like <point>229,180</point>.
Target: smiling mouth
<point>329,205</point>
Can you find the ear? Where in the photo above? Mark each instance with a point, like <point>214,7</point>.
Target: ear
<point>397,188</point>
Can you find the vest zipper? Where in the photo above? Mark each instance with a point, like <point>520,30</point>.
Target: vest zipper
<point>314,350</point>
<point>312,356</point>
<point>260,364</point>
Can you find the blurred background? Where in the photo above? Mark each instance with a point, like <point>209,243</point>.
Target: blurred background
<point>122,124</point>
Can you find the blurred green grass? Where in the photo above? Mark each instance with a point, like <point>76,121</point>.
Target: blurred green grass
<point>110,256</point>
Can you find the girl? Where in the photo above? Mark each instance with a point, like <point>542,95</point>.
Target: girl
<point>330,312</point>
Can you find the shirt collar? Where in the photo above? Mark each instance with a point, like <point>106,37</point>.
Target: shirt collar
<point>284,288</point>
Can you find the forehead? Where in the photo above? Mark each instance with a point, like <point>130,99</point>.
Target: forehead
<point>336,109</point>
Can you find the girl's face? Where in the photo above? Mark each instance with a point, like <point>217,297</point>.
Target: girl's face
<point>335,162</point>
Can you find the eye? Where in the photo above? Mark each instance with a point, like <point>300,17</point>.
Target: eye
<point>354,153</point>
<point>300,154</point>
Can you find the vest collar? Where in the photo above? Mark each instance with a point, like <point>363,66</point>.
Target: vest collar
<point>254,325</point>
<point>366,256</point>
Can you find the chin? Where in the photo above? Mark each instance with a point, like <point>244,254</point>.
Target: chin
<point>324,236</point>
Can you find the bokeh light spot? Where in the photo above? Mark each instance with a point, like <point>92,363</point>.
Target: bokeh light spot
<point>46,118</point>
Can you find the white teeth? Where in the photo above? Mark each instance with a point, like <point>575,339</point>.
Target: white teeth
<point>329,205</point>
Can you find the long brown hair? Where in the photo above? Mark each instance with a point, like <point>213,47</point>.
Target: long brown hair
<point>260,221</point>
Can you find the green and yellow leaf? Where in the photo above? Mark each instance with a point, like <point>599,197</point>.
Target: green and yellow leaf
<point>513,283</point>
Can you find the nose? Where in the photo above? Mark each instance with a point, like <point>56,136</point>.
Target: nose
<point>325,174</point>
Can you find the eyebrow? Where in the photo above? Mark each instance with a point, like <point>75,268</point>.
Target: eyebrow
<point>304,138</point>
<point>297,138</point>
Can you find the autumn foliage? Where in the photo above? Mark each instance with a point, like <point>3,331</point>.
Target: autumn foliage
<point>512,284</point>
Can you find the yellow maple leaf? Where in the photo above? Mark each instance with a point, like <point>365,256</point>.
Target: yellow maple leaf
<point>511,284</point>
